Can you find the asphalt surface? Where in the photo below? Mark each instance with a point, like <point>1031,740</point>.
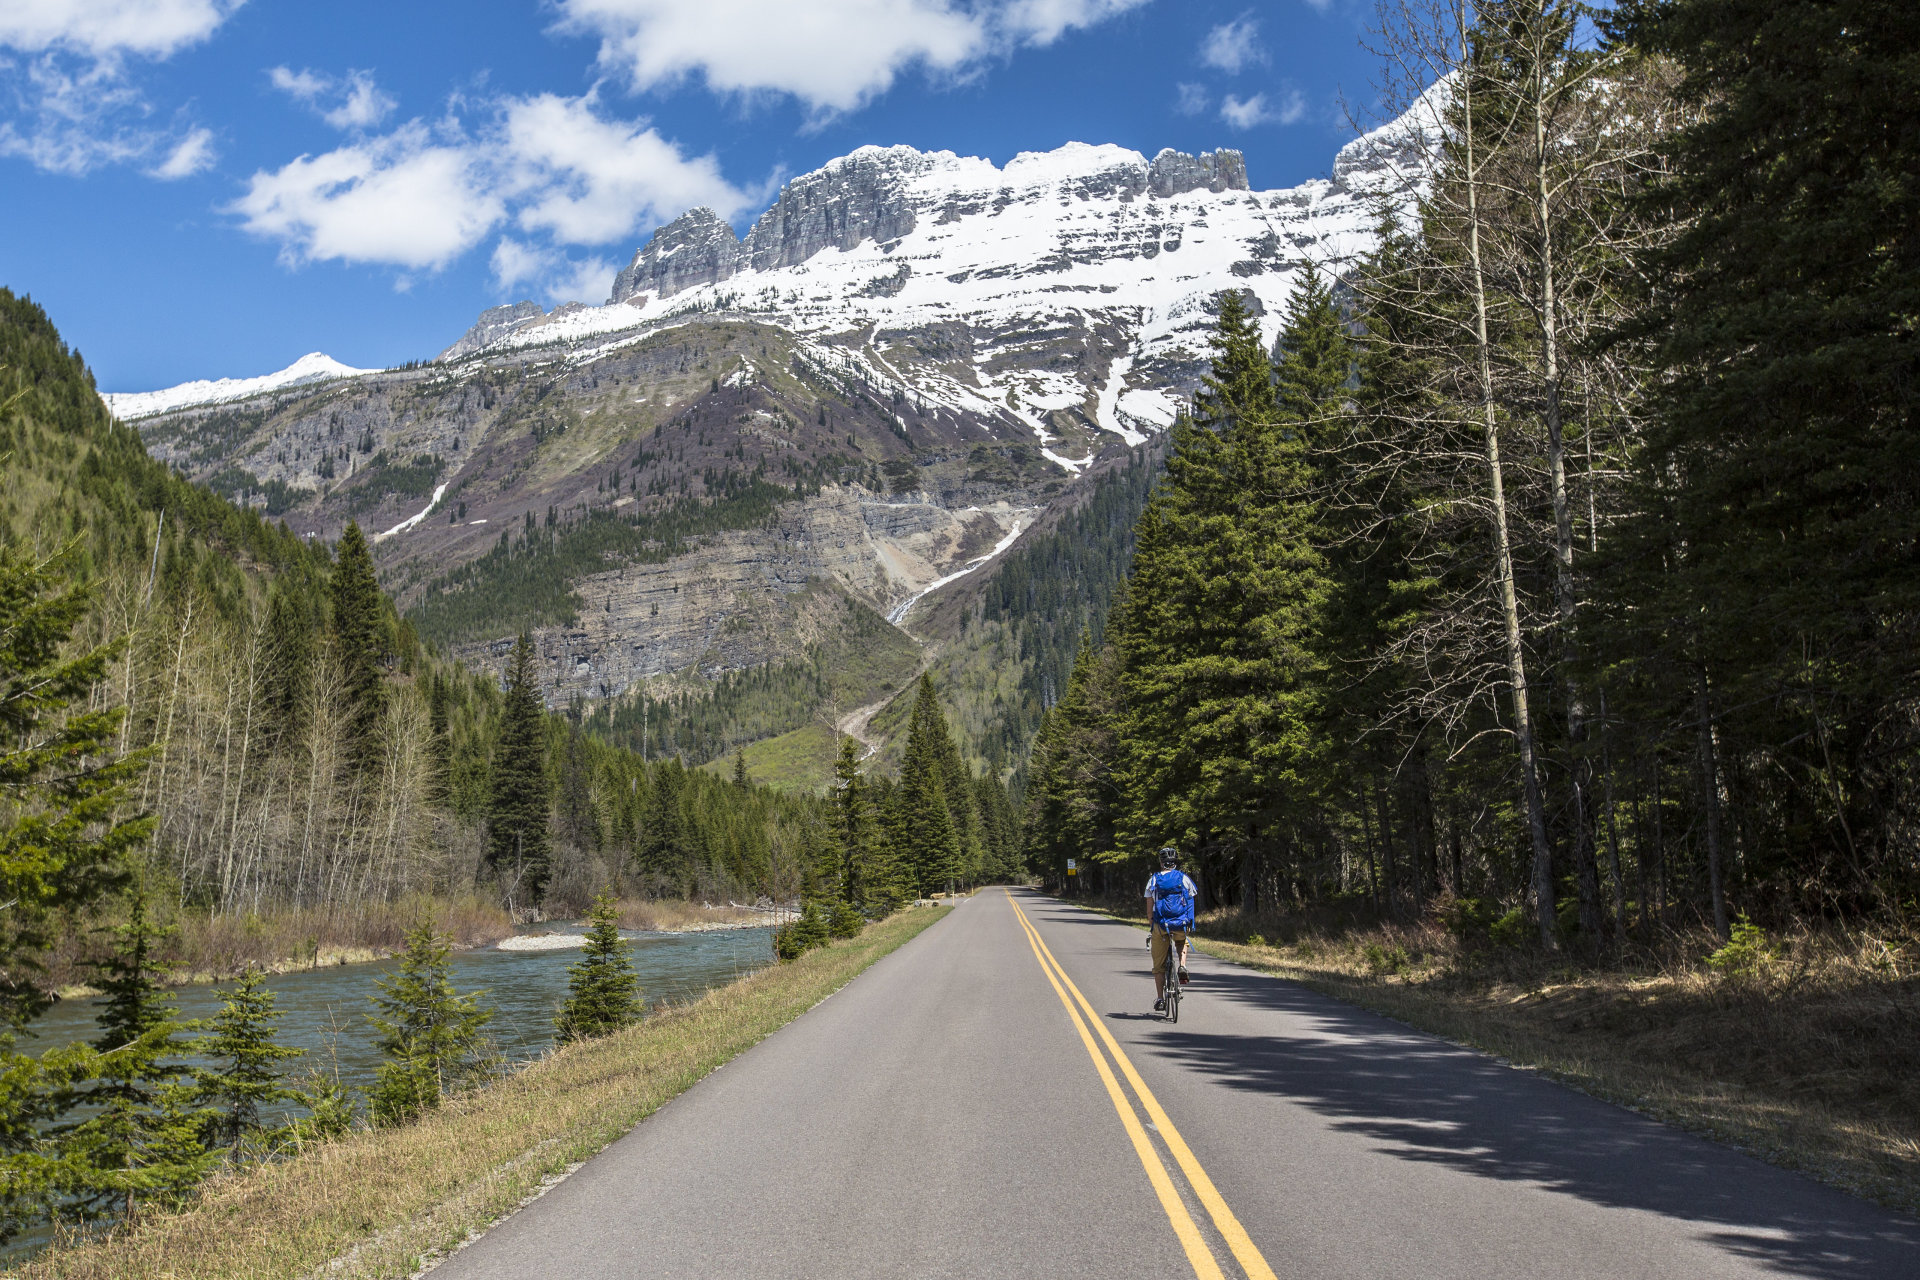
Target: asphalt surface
<point>943,1116</point>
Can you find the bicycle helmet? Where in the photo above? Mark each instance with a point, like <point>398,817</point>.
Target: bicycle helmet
<point>1169,856</point>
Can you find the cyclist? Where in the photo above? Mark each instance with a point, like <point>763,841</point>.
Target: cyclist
<point>1170,899</point>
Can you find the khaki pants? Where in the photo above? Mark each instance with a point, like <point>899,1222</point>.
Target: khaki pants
<point>1160,943</point>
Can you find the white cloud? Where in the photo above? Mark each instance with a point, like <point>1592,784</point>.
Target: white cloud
<point>74,115</point>
<point>420,196</point>
<point>554,276</point>
<point>189,156</point>
<point>352,102</point>
<point>1234,46</point>
<point>74,103</point>
<point>1249,112</point>
<point>406,200</point>
<point>1193,99</point>
<point>832,55</point>
<point>588,180</point>
<point>107,28</point>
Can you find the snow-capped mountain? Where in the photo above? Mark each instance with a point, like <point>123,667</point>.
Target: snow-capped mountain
<point>315,366</point>
<point>1098,242</point>
<point>927,351</point>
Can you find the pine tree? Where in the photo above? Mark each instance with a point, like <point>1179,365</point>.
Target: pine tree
<point>740,770</point>
<point>143,1139</point>
<point>358,639</point>
<point>431,1037</point>
<point>518,841</point>
<point>246,1072</point>
<point>64,837</point>
<point>439,726</point>
<point>1220,668</point>
<point>604,991</point>
<point>62,841</point>
<point>289,660</point>
<point>932,842</point>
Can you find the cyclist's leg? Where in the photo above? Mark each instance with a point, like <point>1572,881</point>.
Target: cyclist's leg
<point>1180,948</point>
<point>1160,944</point>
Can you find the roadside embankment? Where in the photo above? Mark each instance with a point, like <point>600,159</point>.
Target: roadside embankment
<point>379,1203</point>
<point>1801,1049</point>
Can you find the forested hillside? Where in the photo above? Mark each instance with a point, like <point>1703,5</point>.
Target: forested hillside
<point>1566,575</point>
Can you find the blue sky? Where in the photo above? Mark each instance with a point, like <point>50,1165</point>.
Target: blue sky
<point>205,188</point>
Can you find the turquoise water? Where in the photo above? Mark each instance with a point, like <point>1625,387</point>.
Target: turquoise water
<point>324,1011</point>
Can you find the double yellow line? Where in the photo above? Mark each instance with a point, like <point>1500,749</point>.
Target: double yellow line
<point>1198,1253</point>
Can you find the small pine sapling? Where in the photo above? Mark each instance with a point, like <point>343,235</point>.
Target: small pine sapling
<point>245,1074</point>
<point>604,991</point>
<point>431,1039</point>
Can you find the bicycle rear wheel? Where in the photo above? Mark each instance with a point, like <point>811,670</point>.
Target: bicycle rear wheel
<point>1173,987</point>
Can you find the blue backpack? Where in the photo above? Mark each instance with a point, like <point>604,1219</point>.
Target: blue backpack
<point>1172,904</point>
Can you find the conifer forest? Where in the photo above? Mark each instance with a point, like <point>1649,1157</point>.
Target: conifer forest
<point>1557,567</point>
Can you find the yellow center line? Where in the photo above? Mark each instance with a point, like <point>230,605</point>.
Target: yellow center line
<point>1229,1226</point>
<point>1183,1224</point>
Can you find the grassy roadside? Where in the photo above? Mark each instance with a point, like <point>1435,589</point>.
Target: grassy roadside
<point>378,1203</point>
<point>1812,1063</point>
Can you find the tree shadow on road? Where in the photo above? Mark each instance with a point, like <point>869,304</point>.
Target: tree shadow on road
<point>1424,1099</point>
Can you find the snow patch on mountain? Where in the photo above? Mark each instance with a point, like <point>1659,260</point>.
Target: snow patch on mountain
<point>313,367</point>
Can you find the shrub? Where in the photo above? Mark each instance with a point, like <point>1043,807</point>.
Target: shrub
<point>1513,929</point>
<point>1747,954</point>
<point>1470,920</point>
<point>1382,961</point>
<point>843,921</point>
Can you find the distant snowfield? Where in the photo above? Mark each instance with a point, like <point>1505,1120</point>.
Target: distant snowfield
<point>315,366</point>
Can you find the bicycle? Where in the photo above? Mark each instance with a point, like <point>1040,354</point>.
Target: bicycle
<point>1170,973</point>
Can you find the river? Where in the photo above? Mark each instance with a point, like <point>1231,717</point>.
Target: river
<point>324,1011</point>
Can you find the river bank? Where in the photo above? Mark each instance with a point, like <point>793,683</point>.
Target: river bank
<point>205,946</point>
<point>379,1203</point>
<point>1806,1054</point>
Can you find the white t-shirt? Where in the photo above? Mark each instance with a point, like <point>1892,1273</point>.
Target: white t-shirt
<point>1193,894</point>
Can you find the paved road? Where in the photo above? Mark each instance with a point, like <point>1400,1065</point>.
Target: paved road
<point>944,1116</point>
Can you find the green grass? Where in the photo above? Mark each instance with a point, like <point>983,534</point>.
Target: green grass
<point>379,1203</point>
<point>798,761</point>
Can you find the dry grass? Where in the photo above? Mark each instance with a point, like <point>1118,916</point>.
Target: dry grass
<point>672,915</point>
<point>205,947</point>
<point>1810,1060</point>
<point>377,1204</point>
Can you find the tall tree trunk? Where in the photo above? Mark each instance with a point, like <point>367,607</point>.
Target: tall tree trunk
<point>1503,544</point>
<point>1709,765</point>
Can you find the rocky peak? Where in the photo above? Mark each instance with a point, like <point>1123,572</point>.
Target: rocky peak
<point>494,323</point>
<point>696,248</point>
<point>1174,173</point>
<point>860,197</point>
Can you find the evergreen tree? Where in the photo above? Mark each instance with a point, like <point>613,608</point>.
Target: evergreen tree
<point>246,1072</point>
<point>1220,665</point>
<point>63,835</point>
<point>358,639</point>
<point>925,820</point>
<point>142,1141</point>
<point>740,769</point>
<point>431,1037</point>
<point>1774,530</point>
<point>289,659</point>
<point>603,990</point>
<point>794,940</point>
<point>518,842</point>
<point>440,727</point>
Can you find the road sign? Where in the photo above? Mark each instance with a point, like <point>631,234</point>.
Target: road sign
<point>1071,864</point>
